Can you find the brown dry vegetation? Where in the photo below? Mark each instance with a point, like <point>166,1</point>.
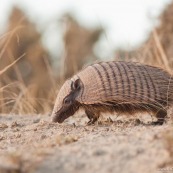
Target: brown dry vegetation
<point>78,42</point>
<point>29,86</point>
<point>24,87</point>
<point>25,84</point>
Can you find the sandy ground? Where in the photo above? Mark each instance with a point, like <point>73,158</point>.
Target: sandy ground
<point>34,144</point>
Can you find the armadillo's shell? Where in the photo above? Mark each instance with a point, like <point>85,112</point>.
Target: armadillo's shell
<point>122,82</point>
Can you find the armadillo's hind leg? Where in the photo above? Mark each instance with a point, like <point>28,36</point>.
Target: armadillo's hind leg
<point>93,117</point>
<point>160,115</point>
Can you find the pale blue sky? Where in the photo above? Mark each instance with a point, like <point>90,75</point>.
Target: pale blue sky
<point>127,22</point>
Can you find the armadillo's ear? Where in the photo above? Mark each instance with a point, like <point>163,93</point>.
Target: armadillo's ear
<point>76,84</point>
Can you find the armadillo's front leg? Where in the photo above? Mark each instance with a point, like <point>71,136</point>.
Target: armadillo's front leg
<point>93,117</point>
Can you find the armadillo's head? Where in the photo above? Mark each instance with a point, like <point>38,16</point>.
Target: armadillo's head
<point>66,104</point>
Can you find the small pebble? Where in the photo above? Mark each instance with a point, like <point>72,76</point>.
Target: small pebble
<point>99,152</point>
<point>43,136</point>
<point>36,120</point>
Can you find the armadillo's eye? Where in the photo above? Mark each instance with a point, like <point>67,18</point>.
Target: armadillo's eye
<point>67,101</point>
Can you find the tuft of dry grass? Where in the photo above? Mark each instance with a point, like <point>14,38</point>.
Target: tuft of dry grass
<point>28,84</point>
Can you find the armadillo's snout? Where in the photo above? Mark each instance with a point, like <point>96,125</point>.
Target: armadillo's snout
<point>57,118</point>
<point>62,114</point>
<point>65,112</point>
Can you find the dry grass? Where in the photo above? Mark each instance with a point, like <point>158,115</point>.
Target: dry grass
<point>33,89</point>
<point>28,84</point>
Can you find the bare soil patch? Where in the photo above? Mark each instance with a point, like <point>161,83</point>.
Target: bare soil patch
<point>34,144</point>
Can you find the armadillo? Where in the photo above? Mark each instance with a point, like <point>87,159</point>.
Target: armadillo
<point>115,86</point>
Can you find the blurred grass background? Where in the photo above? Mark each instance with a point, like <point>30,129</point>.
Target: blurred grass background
<point>29,79</point>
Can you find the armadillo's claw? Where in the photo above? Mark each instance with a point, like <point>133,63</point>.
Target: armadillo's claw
<point>92,121</point>
<point>89,122</point>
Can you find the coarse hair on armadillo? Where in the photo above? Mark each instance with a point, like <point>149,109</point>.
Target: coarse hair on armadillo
<point>119,86</point>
